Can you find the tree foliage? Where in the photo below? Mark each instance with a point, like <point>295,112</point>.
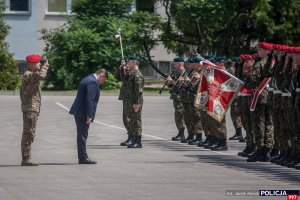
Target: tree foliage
<point>87,41</point>
<point>9,78</point>
<point>227,27</point>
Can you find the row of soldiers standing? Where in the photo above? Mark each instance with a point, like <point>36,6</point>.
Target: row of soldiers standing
<point>184,85</point>
<point>273,125</point>
<point>267,107</point>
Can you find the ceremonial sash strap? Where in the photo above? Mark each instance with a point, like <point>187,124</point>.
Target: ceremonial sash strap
<point>258,92</point>
<point>260,89</point>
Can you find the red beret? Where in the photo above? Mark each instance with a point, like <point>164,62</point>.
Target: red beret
<point>33,58</point>
<point>290,50</point>
<point>265,45</point>
<point>296,49</point>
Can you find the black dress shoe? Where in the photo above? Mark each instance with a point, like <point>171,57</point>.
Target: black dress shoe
<point>87,161</point>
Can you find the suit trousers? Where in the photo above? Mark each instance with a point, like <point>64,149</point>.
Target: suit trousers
<point>82,135</point>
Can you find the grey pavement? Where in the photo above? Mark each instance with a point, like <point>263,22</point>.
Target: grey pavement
<point>162,169</point>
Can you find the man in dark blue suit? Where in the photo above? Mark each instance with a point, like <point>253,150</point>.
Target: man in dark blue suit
<point>84,110</point>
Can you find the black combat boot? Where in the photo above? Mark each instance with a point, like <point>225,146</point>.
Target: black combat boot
<point>274,152</point>
<point>189,138</point>
<point>222,146</point>
<point>243,140</point>
<point>196,140</point>
<point>179,136</point>
<point>258,156</point>
<point>213,143</point>
<point>297,165</point>
<point>200,143</point>
<point>288,160</point>
<point>293,162</point>
<point>245,152</point>
<point>238,135</point>
<point>283,159</point>
<point>207,140</point>
<point>137,143</point>
<point>267,154</point>
<point>252,151</point>
<point>128,141</point>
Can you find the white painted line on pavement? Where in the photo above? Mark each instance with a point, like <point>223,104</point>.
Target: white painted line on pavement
<point>152,136</point>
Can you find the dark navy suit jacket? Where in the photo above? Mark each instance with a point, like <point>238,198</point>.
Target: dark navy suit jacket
<point>87,98</point>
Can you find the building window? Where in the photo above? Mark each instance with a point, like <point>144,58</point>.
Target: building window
<point>58,6</point>
<point>16,6</point>
<point>145,5</point>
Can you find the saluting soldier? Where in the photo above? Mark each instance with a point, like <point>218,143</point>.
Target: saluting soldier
<point>131,94</point>
<point>235,108</point>
<point>262,116</point>
<point>30,94</point>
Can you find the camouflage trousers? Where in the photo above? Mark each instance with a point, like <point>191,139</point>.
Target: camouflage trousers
<point>290,121</point>
<point>277,119</point>
<point>192,119</point>
<point>132,120</point>
<point>235,113</point>
<point>178,114</point>
<point>247,121</point>
<point>217,129</point>
<point>204,122</point>
<point>263,126</point>
<point>297,111</point>
<point>29,126</point>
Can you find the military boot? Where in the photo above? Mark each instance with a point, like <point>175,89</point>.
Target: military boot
<point>288,160</point>
<point>29,162</point>
<point>222,146</point>
<point>293,162</point>
<point>274,152</point>
<point>214,142</point>
<point>196,140</point>
<point>284,158</point>
<point>128,141</point>
<point>207,140</point>
<point>297,165</point>
<point>258,156</point>
<point>245,152</point>
<point>137,143</point>
<point>238,135</point>
<point>179,136</point>
<point>267,154</point>
<point>189,138</point>
<point>252,151</point>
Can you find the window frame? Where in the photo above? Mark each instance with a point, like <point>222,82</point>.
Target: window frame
<point>68,11</point>
<point>9,12</point>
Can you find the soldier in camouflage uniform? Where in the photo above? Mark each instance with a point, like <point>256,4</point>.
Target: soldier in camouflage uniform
<point>296,57</point>
<point>188,91</point>
<point>30,94</point>
<point>131,94</point>
<point>235,108</point>
<point>245,98</point>
<point>262,116</point>
<point>177,104</point>
<point>217,130</point>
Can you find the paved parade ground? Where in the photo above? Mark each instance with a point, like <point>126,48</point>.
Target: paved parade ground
<point>161,170</point>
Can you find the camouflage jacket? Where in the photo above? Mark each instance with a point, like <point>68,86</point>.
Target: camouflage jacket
<point>189,89</point>
<point>174,93</point>
<point>132,88</point>
<point>255,79</point>
<point>30,92</point>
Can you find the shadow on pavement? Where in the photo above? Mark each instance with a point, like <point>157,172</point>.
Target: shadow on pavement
<point>266,170</point>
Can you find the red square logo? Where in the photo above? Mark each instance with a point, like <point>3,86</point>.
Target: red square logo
<point>292,197</point>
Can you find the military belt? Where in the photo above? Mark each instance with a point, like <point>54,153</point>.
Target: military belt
<point>277,92</point>
<point>288,94</point>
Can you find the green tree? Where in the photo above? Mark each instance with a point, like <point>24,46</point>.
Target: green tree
<point>227,27</point>
<point>87,40</point>
<point>9,78</point>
